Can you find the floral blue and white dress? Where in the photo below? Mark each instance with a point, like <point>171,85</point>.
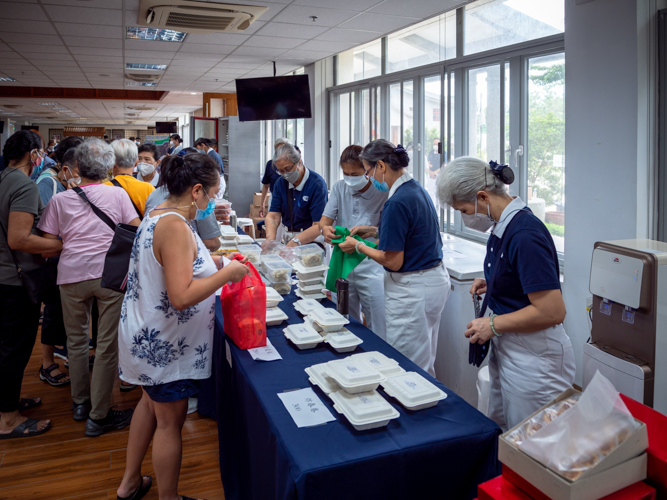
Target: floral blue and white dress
<point>157,343</point>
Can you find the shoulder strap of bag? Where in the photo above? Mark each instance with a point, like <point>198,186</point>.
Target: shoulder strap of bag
<point>136,209</point>
<point>105,218</point>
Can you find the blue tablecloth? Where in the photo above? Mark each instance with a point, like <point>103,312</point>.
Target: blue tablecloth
<point>441,452</point>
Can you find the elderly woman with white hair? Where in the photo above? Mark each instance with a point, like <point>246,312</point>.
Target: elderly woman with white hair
<point>86,240</point>
<point>531,359</point>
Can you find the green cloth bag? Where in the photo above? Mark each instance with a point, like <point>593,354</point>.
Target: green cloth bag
<point>341,263</point>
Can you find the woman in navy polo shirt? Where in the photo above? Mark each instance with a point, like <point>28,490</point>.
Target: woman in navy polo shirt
<point>531,359</point>
<point>416,282</point>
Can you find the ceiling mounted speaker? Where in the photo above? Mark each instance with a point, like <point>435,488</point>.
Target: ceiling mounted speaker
<point>197,17</point>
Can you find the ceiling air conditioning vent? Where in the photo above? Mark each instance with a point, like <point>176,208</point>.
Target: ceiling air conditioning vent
<point>197,17</point>
<point>143,77</point>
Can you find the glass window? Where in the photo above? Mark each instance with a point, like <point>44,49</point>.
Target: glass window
<point>433,159</point>
<point>408,115</point>
<point>508,146</point>
<point>546,142</point>
<point>484,112</point>
<point>430,41</point>
<point>377,123</point>
<point>395,113</point>
<point>489,24</point>
<point>359,63</point>
<point>300,137</point>
<point>365,116</point>
<point>289,131</point>
<point>352,120</point>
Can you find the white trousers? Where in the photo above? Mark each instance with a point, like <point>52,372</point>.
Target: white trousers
<point>367,296</point>
<point>527,370</point>
<point>413,306</point>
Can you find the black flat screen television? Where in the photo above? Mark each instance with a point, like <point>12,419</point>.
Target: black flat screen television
<point>277,98</point>
<point>2,127</point>
<point>166,127</point>
<point>29,127</point>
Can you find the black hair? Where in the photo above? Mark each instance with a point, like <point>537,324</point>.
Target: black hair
<point>176,137</point>
<point>182,172</point>
<point>395,156</point>
<point>149,147</point>
<point>188,151</point>
<point>132,138</point>
<point>67,143</point>
<point>203,140</point>
<point>351,155</point>
<point>19,144</point>
<point>68,158</point>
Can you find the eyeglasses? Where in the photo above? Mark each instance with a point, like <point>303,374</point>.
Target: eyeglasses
<point>285,171</point>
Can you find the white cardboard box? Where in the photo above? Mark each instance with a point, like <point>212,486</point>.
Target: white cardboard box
<point>624,466</point>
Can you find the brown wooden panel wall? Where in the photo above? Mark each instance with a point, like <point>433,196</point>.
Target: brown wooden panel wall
<point>230,103</point>
<point>76,93</point>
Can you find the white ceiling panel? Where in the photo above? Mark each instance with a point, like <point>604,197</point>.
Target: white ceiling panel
<point>287,29</point>
<point>27,48</point>
<point>91,31</point>
<point>257,52</point>
<point>9,54</point>
<point>85,58</point>
<point>352,36</point>
<point>322,46</point>
<point>358,5</point>
<point>102,43</point>
<point>152,45</point>
<point>390,23</point>
<point>95,51</point>
<point>273,42</point>
<point>16,26</point>
<point>30,12</point>
<point>237,65</point>
<point>325,17</point>
<point>106,4</point>
<point>422,9</point>
<point>108,17</point>
<point>232,39</point>
<point>46,64</point>
<point>207,49</point>
<point>34,38</point>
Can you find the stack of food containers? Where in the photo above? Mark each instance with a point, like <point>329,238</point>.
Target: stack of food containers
<point>311,255</point>
<point>278,274</point>
<point>244,239</point>
<point>303,336</point>
<point>273,298</point>
<point>305,306</point>
<point>311,281</point>
<point>252,252</point>
<point>223,211</point>
<point>331,325</point>
<point>274,315</point>
<point>228,233</point>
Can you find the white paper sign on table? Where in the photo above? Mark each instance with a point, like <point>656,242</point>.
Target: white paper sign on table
<point>266,353</point>
<point>306,408</point>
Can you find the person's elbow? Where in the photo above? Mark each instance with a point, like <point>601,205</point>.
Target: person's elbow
<point>394,262</point>
<point>17,243</point>
<point>179,303</point>
<point>212,244</point>
<point>558,313</point>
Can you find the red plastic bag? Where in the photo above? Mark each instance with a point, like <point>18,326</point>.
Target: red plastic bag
<point>244,310</point>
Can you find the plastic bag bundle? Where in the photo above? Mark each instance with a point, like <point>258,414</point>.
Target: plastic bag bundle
<point>582,436</point>
<point>535,423</point>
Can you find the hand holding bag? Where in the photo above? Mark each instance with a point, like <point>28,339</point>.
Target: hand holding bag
<point>244,310</point>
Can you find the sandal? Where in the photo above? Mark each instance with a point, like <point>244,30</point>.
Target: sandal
<point>26,404</point>
<point>127,387</point>
<point>54,380</point>
<point>20,430</point>
<point>141,490</point>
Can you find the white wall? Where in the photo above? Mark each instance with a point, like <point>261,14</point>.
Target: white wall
<point>600,143</point>
<point>320,76</point>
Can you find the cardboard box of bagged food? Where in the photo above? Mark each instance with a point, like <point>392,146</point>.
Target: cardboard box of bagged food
<point>624,466</point>
<point>257,199</point>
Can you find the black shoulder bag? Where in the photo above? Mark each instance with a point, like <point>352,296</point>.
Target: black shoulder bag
<point>136,209</point>
<point>117,261</point>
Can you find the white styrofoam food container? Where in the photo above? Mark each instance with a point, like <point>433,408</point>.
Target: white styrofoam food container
<point>329,319</point>
<point>252,252</point>
<point>308,289</point>
<point>312,323</point>
<point>303,336</point>
<point>354,376</point>
<point>343,341</point>
<point>278,272</point>
<point>313,281</point>
<point>228,232</point>
<point>304,306</point>
<point>413,391</point>
<point>380,362</point>
<point>273,298</point>
<point>275,316</point>
<point>281,288</point>
<point>244,239</point>
<point>366,410</point>
<point>308,273</point>
<point>311,255</point>
<point>312,296</point>
<point>317,376</point>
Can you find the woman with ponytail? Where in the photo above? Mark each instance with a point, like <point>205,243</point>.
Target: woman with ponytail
<point>416,282</point>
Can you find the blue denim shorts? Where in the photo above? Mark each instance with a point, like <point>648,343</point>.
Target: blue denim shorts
<point>172,391</point>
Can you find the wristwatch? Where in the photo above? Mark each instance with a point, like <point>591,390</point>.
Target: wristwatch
<point>297,241</point>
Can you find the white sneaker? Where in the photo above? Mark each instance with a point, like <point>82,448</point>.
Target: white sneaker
<point>192,405</point>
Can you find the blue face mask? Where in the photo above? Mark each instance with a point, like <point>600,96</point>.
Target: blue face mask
<point>202,214</point>
<point>383,187</point>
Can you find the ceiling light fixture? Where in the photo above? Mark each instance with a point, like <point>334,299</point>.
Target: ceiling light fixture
<point>163,35</point>
<point>193,93</point>
<point>153,67</point>
<point>7,79</point>
<point>48,103</point>
<point>140,84</point>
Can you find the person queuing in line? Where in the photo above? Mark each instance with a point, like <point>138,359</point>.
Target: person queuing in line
<point>416,282</point>
<point>147,162</point>
<point>55,179</point>
<point>132,139</point>
<point>86,240</point>
<point>298,201</point>
<point>204,145</point>
<point>166,326</point>
<point>271,175</point>
<point>44,163</point>
<point>354,202</point>
<point>531,359</point>
<point>20,210</point>
<point>126,158</point>
<point>176,143</point>
<point>207,228</point>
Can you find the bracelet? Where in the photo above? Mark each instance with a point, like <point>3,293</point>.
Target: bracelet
<point>493,328</point>
<point>356,247</point>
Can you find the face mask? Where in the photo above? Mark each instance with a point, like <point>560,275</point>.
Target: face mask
<point>202,214</point>
<point>171,143</point>
<point>488,212</point>
<point>478,222</point>
<point>38,162</point>
<point>77,180</point>
<point>383,187</point>
<point>145,169</point>
<point>357,183</point>
<point>435,148</point>
<point>292,176</point>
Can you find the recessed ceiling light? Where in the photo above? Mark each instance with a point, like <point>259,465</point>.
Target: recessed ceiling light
<point>193,93</point>
<point>155,67</point>
<point>48,103</point>
<point>6,79</point>
<point>162,35</point>
<point>140,84</point>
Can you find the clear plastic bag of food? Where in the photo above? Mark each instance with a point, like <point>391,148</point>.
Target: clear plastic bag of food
<point>535,423</point>
<point>585,434</point>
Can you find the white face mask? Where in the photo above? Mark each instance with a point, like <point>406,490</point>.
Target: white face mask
<point>145,169</point>
<point>171,143</point>
<point>356,183</point>
<point>77,180</point>
<point>435,148</point>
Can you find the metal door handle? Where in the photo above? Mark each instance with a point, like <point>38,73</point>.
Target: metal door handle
<point>517,152</point>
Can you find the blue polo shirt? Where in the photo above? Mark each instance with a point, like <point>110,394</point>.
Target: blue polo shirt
<point>308,202</point>
<point>271,175</point>
<point>529,263</point>
<point>409,224</point>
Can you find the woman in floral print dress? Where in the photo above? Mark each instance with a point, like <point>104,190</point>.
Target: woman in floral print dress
<point>166,324</point>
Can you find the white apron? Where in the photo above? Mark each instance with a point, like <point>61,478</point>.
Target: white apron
<point>367,296</point>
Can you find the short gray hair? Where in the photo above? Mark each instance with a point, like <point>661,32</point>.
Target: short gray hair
<point>463,178</point>
<point>126,153</point>
<point>287,151</point>
<point>95,159</point>
<point>279,141</point>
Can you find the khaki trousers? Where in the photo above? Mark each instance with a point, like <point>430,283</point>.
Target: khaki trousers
<point>77,299</point>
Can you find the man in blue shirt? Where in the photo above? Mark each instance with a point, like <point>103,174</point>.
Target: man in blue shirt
<point>270,178</point>
<point>205,146</point>
<point>299,199</point>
